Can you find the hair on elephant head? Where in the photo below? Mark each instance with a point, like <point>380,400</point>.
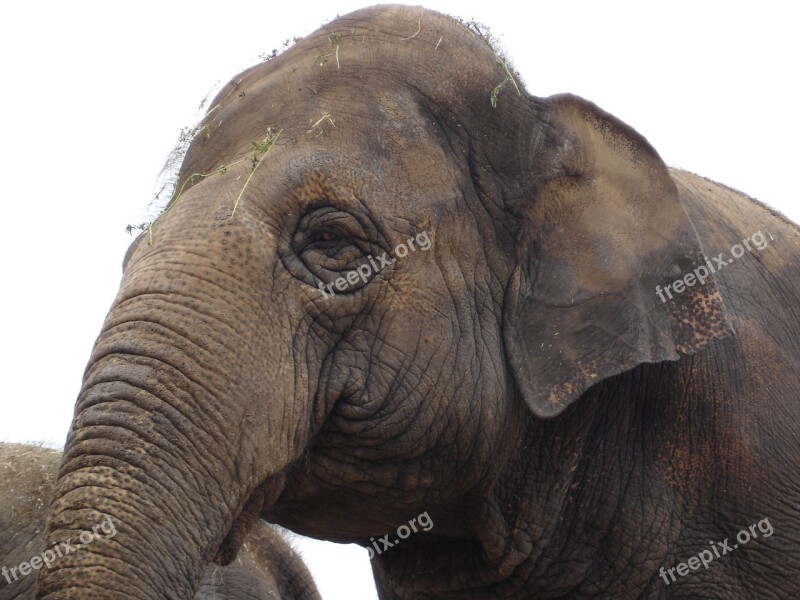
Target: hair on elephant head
<point>495,353</point>
<point>267,566</point>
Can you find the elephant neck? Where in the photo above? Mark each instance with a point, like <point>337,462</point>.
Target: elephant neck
<point>574,496</point>
<point>610,488</point>
<point>598,489</point>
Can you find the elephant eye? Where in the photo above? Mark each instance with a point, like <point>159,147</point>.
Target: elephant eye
<point>324,236</point>
<point>329,244</point>
<point>330,248</point>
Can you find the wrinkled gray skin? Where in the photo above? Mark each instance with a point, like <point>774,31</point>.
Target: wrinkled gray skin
<point>568,433</point>
<point>266,568</point>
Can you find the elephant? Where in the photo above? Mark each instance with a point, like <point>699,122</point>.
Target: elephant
<point>393,282</point>
<point>267,566</point>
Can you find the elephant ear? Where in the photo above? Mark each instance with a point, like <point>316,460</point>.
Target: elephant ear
<point>602,229</point>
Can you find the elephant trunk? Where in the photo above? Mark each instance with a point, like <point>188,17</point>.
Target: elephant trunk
<point>161,464</point>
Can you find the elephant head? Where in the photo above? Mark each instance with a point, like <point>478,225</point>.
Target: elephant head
<point>383,261</point>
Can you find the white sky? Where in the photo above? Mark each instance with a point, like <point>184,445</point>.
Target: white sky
<point>94,94</point>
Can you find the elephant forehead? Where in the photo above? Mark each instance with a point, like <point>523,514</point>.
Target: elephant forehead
<point>349,68</point>
<point>356,120</point>
<point>387,156</point>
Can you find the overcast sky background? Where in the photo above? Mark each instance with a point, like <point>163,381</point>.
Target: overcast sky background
<point>94,95</point>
